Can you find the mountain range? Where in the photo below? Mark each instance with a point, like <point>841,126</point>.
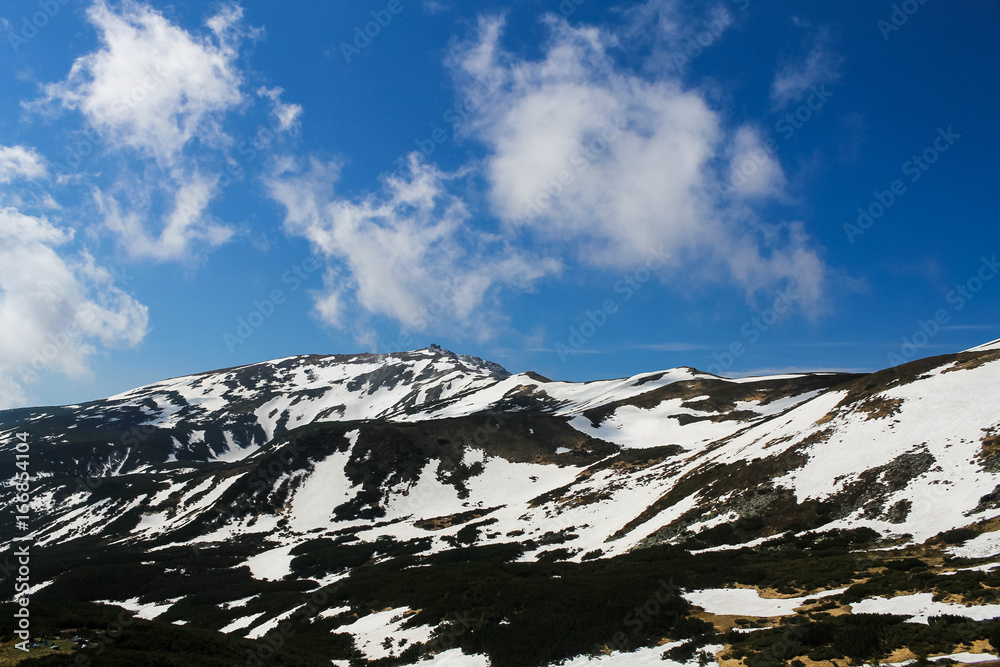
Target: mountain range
<point>449,512</point>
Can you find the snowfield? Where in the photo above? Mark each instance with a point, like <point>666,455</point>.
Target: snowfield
<point>919,606</point>
<point>748,601</point>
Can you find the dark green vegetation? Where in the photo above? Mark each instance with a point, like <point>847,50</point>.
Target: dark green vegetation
<point>519,614</point>
<point>114,639</point>
<point>859,638</point>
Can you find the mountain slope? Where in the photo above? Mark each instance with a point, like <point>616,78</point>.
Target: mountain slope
<point>313,469</point>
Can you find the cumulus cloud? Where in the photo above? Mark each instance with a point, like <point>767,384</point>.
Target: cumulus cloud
<point>796,78</point>
<point>607,164</point>
<point>151,85</point>
<point>56,308</point>
<point>155,89</point>
<point>408,252</point>
<point>584,160</point>
<point>20,162</point>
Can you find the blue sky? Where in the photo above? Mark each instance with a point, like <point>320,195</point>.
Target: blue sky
<point>586,189</point>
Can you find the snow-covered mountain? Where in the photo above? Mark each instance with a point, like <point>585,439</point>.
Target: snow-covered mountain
<point>428,452</point>
<point>229,414</point>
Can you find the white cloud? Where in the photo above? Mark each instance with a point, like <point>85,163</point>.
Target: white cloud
<point>156,89</point>
<point>607,164</point>
<point>675,33</point>
<point>753,169</point>
<point>408,253</point>
<point>18,161</point>
<point>153,86</point>
<point>795,79</point>
<point>286,116</point>
<point>55,311</point>
<point>185,227</point>
<point>435,7</point>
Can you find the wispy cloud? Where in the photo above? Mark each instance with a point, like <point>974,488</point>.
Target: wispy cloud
<point>796,77</point>
<point>287,116</point>
<point>20,162</point>
<point>796,370</point>
<point>435,7</point>
<point>154,89</point>
<point>971,327</point>
<point>407,252</point>
<point>586,161</point>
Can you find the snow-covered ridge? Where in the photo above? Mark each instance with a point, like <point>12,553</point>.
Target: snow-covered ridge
<point>992,345</point>
<point>228,414</point>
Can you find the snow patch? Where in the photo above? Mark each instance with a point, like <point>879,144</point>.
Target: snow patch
<point>748,602</point>
<point>919,606</point>
<point>272,564</point>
